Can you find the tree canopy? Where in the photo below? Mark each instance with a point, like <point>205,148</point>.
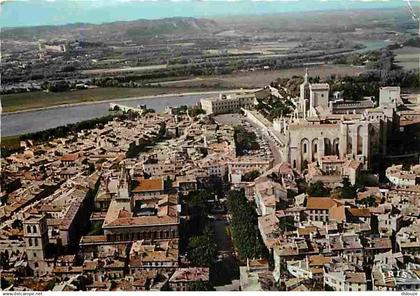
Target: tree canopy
<point>347,191</point>
<point>245,140</point>
<point>317,189</point>
<point>250,176</point>
<point>200,286</point>
<point>245,234</point>
<point>202,249</point>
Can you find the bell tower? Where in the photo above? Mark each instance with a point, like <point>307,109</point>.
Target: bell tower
<point>35,233</point>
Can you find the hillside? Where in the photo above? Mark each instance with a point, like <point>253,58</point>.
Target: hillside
<point>115,30</point>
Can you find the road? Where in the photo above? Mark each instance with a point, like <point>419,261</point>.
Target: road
<point>226,269</point>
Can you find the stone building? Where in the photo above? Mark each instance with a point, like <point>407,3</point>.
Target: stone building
<point>228,103</point>
<point>345,137</point>
<point>35,232</point>
<point>315,131</point>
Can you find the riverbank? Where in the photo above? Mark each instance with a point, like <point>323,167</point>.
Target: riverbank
<point>126,99</point>
<point>34,101</point>
<point>29,121</point>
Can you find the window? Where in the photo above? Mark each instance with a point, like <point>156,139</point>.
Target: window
<point>304,148</point>
<point>28,229</point>
<point>34,229</point>
<point>36,242</point>
<point>30,242</point>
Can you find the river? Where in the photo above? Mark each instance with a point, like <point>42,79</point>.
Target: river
<point>37,120</point>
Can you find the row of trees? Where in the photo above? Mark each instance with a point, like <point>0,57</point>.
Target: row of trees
<point>272,107</point>
<point>202,249</point>
<point>72,128</point>
<point>246,237</point>
<point>193,111</point>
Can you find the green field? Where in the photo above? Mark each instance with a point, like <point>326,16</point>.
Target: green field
<point>10,142</point>
<point>407,57</point>
<point>23,101</point>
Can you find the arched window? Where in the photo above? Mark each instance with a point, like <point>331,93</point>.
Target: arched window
<point>30,242</point>
<point>28,229</point>
<point>34,229</point>
<point>327,148</point>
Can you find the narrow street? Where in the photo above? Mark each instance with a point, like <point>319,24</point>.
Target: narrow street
<point>226,266</point>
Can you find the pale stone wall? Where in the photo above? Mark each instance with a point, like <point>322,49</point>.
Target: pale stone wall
<point>308,142</point>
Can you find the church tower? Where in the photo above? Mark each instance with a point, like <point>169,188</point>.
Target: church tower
<point>123,193</point>
<point>304,93</point>
<point>35,233</point>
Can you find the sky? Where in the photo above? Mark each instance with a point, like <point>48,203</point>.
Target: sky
<point>18,13</point>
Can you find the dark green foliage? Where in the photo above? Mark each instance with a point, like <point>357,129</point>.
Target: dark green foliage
<point>363,180</point>
<point>271,107</point>
<point>415,42</point>
<point>250,176</point>
<point>368,83</point>
<point>180,110</point>
<point>317,189</point>
<point>198,198</point>
<point>347,191</point>
<point>73,128</point>
<point>4,283</point>
<point>202,249</point>
<point>369,201</point>
<point>17,224</point>
<point>200,286</point>
<point>4,260</point>
<point>195,111</point>
<point>58,86</point>
<point>96,228</point>
<point>244,231</point>
<point>6,152</point>
<point>245,140</point>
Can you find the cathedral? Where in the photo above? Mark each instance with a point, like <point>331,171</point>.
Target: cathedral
<point>315,130</point>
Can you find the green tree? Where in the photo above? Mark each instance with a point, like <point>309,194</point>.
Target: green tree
<point>202,249</point>
<point>245,140</point>
<point>198,198</point>
<point>195,111</point>
<point>245,235</point>
<point>200,286</point>
<point>347,191</point>
<point>369,201</point>
<point>317,189</point>
<point>250,176</point>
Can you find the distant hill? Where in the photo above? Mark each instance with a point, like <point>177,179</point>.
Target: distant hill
<point>116,30</point>
<point>315,21</point>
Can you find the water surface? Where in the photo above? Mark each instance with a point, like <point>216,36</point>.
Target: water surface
<point>33,121</point>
